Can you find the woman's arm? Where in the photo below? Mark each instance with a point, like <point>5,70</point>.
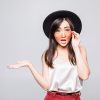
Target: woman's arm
<point>82,62</point>
<point>42,79</point>
<point>81,57</point>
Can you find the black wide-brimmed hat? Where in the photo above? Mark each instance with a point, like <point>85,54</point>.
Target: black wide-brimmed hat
<point>61,14</point>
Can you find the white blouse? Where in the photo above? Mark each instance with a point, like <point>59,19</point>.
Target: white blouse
<point>64,77</point>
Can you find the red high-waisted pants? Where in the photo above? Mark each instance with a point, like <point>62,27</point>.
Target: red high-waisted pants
<point>55,96</point>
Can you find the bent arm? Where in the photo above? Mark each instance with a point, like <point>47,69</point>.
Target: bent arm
<point>39,78</point>
<point>82,62</point>
<point>42,79</point>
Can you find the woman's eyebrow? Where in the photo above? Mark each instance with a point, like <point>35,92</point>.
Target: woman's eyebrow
<point>64,27</point>
<point>67,27</point>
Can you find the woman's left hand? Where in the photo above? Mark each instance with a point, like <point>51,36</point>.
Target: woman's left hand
<point>75,39</point>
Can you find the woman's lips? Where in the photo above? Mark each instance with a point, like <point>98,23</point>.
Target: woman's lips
<point>63,41</point>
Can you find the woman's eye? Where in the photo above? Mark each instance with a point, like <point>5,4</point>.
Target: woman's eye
<point>57,30</point>
<point>67,30</point>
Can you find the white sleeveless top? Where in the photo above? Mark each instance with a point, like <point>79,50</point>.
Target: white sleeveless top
<point>64,77</point>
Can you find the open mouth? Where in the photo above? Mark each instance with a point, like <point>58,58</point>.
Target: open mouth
<point>63,41</point>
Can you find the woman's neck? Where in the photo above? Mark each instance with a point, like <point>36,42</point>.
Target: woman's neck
<point>62,49</point>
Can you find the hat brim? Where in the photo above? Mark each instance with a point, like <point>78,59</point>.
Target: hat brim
<point>59,14</point>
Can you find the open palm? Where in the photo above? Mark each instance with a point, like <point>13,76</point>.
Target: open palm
<point>19,64</point>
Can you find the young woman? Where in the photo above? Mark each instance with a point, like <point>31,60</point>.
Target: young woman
<point>65,64</point>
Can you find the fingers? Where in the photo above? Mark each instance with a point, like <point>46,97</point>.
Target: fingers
<point>8,66</point>
<point>19,64</point>
<point>76,35</point>
<point>73,36</point>
<point>12,66</point>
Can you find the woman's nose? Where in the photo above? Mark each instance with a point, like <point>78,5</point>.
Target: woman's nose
<point>63,34</point>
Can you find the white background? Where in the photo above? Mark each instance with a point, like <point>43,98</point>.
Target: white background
<point>22,38</point>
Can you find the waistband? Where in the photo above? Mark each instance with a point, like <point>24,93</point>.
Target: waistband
<point>63,93</point>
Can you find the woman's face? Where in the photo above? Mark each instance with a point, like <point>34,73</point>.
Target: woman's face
<point>63,34</point>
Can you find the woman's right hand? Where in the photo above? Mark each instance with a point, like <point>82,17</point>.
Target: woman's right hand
<point>19,64</point>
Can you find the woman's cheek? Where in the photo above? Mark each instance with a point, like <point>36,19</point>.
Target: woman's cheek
<point>69,36</point>
<point>57,39</point>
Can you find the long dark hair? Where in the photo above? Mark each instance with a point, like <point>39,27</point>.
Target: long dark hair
<point>49,54</point>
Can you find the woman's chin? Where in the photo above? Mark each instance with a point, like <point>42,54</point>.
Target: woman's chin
<point>63,45</point>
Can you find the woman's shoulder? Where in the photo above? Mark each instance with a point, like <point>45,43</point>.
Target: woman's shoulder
<point>43,55</point>
<point>43,59</point>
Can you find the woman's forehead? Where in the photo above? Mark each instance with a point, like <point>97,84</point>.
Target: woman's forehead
<point>64,24</point>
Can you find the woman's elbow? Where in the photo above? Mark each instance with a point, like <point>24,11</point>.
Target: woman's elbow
<point>46,87</point>
<point>85,77</point>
